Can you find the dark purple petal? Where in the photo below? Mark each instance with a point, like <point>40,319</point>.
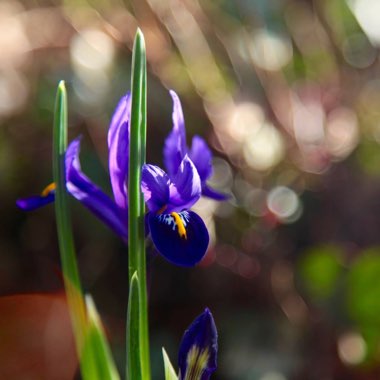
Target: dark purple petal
<point>155,187</point>
<point>209,192</point>
<point>36,201</point>
<point>186,188</point>
<point>201,156</point>
<point>198,349</point>
<point>81,188</point>
<point>182,238</point>
<point>175,144</point>
<point>118,144</point>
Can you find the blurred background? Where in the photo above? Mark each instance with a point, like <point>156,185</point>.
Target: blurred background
<point>287,94</point>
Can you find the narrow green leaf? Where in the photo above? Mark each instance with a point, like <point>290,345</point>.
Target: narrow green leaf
<point>96,355</point>
<point>133,336</point>
<point>136,237</point>
<point>66,246</point>
<point>169,370</point>
<point>86,339</point>
<point>143,316</point>
<point>136,213</point>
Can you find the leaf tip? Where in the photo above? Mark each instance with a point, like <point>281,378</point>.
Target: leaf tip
<point>61,85</point>
<point>169,370</point>
<point>135,277</point>
<point>91,308</point>
<point>139,39</point>
<point>139,33</point>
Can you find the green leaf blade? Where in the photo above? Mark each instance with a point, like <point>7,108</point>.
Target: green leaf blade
<point>169,370</point>
<point>136,233</point>
<point>133,334</point>
<point>96,356</point>
<point>65,237</point>
<point>90,343</point>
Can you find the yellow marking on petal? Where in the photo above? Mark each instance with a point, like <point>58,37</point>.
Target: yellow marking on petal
<point>196,363</point>
<point>49,188</point>
<point>181,228</point>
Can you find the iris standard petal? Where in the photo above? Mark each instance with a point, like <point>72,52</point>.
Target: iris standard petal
<point>36,201</point>
<point>182,238</point>
<point>175,144</point>
<point>155,187</point>
<point>198,349</point>
<point>201,156</point>
<point>118,145</point>
<point>186,187</point>
<point>81,188</point>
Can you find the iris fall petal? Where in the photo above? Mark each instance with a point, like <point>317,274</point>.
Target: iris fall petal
<point>36,201</point>
<point>81,187</point>
<point>182,238</point>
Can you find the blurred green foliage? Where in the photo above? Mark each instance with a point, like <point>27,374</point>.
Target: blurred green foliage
<point>320,269</point>
<point>363,287</point>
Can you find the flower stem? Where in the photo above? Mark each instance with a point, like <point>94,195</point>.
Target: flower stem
<point>136,234</point>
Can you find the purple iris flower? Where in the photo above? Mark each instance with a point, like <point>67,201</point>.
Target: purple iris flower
<point>179,234</point>
<point>198,349</point>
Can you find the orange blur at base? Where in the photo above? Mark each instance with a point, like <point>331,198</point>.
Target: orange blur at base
<point>36,340</point>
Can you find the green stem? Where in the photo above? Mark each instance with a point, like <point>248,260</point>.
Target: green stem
<point>136,234</point>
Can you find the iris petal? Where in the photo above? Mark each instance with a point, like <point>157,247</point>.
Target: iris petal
<point>81,187</point>
<point>181,250</point>
<point>186,186</point>
<point>198,349</point>
<point>201,156</point>
<point>209,192</point>
<point>175,144</point>
<point>118,144</point>
<point>155,187</point>
<point>36,201</point>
